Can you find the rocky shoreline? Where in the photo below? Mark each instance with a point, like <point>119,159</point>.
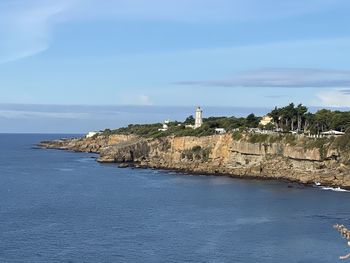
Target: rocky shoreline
<point>218,155</point>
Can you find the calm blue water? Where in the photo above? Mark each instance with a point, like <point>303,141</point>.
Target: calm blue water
<point>59,206</point>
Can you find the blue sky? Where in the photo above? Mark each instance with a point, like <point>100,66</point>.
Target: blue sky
<point>220,53</point>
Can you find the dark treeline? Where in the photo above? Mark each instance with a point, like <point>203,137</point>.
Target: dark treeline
<point>298,118</point>
<point>179,128</point>
<point>228,123</point>
<point>285,119</point>
<point>289,118</point>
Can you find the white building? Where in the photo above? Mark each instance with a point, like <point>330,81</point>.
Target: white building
<point>199,118</point>
<point>220,130</point>
<point>332,133</point>
<point>266,120</point>
<point>91,134</point>
<point>165,126</point>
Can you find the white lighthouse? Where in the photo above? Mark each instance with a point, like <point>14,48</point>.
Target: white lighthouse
<point>199,118</point>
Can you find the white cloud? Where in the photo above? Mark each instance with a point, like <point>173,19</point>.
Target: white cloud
<point>282,78</point>
<point>26,26</point>
<point>134,99</point>
<point>144,100</point>
<point>18,114</point>
<point>332,98</point>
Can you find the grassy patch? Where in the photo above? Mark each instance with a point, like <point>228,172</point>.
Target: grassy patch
<point>196,149</point>
<point>196,153</point>
<point>151,130</point>
<point>316,143</point>
<point>276,138</point>
<point>343,142</point>
<point>237,135</point>
<point>258,138</point>
<point>319,143</point>
<point>291,139</point>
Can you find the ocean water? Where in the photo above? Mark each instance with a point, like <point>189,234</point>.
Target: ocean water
<point>58,206</point>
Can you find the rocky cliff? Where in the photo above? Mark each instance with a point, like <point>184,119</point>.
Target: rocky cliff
<point>221,154</point>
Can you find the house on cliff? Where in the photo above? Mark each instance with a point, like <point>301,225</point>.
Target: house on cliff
<point>332,133</point>
<point>266,120</point>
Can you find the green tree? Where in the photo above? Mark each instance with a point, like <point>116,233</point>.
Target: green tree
<point>309,123</point>
<point>252,121</point>
<point>301,111</point>
<point>340,120</point>
<point>190,120</point>
<point>275,114</point>
<point>323,120</point>
<point>290,115</point>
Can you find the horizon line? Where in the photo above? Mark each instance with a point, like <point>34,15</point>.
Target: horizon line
<point>150,106</point>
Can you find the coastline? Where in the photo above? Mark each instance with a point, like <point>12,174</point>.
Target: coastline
<point>290,183</point>
<point>218,155</point>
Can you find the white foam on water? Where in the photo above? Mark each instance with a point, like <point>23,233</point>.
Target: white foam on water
<point>327,188</point>
<point>335,189</point>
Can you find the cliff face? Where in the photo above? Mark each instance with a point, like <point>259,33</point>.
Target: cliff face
<point>93,145</point>
<point>219,154</point>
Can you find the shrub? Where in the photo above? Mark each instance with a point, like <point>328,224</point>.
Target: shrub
<point>343,142</point>
<point>237,135</point>
<point>196,149</point>
<point>205,154</point>
<point>275,138</point>
<point>316,143</point>
<point>196,153</point>
<point>321,144</point>
<point>291,139</point>
<point>258,138</point>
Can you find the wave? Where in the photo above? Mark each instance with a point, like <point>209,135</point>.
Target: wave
<point>327,188</point>
<point>336,189</point>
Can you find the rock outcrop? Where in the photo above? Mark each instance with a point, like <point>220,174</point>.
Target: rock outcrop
<point>219,154</point>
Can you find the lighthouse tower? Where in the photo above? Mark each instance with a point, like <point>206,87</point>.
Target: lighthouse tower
<point>199,118</point>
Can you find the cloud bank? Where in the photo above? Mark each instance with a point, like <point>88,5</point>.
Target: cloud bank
<point>333,98</point>
<point>281,78</point>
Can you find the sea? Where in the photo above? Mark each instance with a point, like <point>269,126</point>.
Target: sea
<point>60,206</point>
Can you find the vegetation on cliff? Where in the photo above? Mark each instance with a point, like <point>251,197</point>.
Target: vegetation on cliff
<point>152,130</point>
<point>242,152</point>
<point>179,129</point>
<point>196,153</point>
<point>291,118</point>
<point>285,119</point>
<point>323,144</point>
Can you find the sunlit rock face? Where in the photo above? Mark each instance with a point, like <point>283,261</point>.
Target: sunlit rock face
<point>219,154</point>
